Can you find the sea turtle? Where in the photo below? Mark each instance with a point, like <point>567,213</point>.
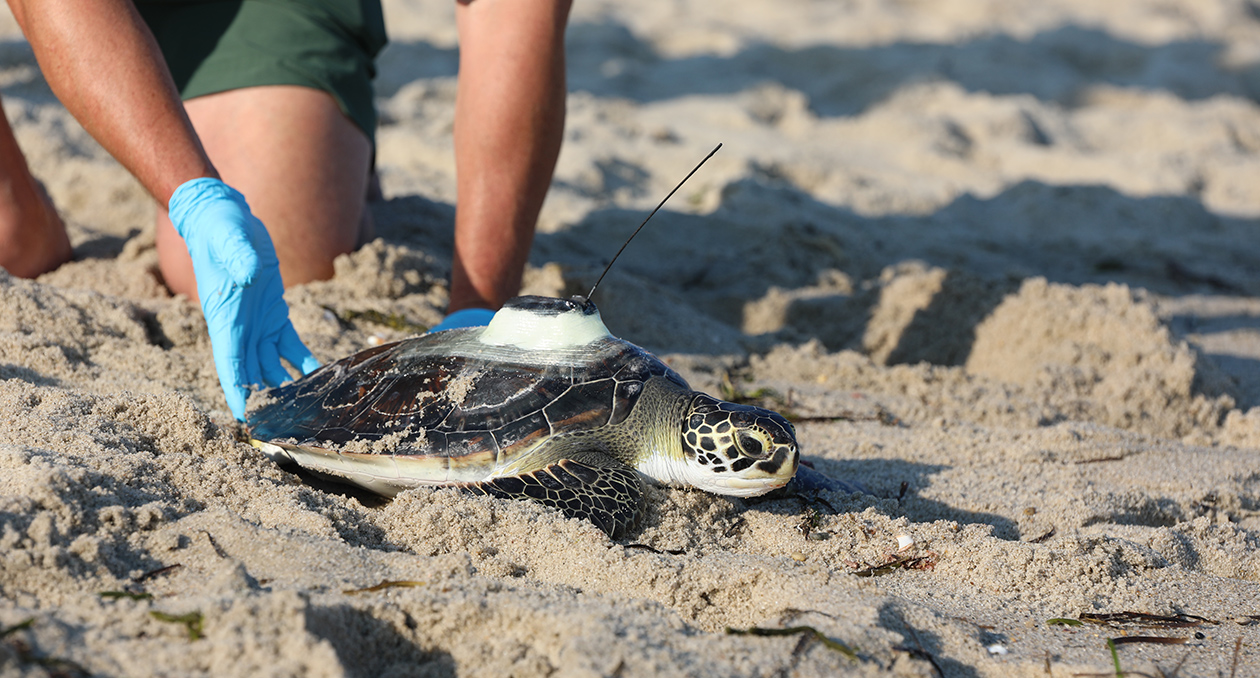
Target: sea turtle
<point>543,403</point>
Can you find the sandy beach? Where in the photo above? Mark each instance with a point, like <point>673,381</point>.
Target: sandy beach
<point>1000,262</point>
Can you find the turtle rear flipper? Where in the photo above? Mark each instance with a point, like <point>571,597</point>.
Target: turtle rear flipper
<point>597,488</point>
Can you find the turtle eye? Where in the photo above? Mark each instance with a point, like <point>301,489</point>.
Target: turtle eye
<point>750,444</point>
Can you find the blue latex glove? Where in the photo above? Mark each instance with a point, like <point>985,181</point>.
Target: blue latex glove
<point>469,317</point>
<point>242,296</point>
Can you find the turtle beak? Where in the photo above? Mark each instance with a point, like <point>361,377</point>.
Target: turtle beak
<point>748,487</point>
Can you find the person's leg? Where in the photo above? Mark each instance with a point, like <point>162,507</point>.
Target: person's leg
<point>32,237</point>
<point>509,122</point>
<point>302,166</point>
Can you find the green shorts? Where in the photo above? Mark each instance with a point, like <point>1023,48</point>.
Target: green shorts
<point>219,45</point>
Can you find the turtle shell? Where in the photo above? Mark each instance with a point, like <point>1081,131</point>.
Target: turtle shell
<point>450,394</point>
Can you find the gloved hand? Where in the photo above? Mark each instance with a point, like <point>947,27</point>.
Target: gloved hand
<point>242,296</point>
<point>468,317</point>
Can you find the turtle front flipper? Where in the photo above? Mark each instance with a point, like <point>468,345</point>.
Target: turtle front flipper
<point>597,488</point>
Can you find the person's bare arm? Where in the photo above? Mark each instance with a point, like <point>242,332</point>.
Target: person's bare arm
<point>509,122</point>
<point>104,65</point>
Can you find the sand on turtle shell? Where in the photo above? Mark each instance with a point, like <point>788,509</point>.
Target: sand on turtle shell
<point>999,261</point>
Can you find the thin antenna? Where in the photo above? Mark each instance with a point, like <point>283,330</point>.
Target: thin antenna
<point>640,228</point>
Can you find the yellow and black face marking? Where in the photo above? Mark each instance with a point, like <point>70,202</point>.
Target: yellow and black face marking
<point>738,449</point>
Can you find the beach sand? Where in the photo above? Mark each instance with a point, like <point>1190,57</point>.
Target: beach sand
<point>1000,260</point>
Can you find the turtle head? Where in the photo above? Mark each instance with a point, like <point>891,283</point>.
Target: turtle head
<point>737,450</point>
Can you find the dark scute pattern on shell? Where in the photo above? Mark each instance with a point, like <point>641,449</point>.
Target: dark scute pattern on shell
<point>464,443</point>
<point>524,431</point>
<point>496,398</point>
<point>337,397</point>
<point>405,389</point>
<point>624,398</point>
<point>573,408</point>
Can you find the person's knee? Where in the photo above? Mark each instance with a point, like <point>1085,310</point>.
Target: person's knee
<point>302,165</point>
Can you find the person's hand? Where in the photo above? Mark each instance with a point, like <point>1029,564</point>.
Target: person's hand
<point>468,317</point>
<point>242,296</point>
